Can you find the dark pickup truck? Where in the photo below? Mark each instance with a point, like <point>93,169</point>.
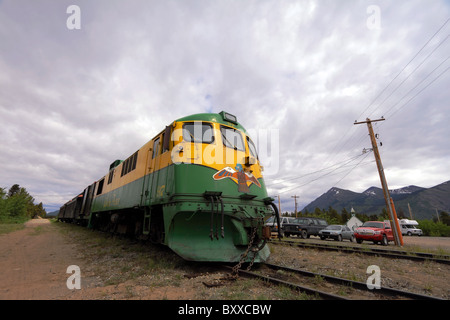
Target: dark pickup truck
<point>304,227</point>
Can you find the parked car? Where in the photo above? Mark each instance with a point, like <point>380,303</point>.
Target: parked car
<point>410,230</point>
<point>272,223</point>
<point>376,231</point>
<point>337,232</point>
<point>304,227</point>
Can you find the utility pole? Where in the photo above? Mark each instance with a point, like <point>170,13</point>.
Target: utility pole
<point>295,200</point>
<point>389,202</point>
<point>279,205</point>
<point>410,211</point>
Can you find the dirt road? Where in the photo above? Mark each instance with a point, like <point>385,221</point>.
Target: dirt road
<point>34,261</point>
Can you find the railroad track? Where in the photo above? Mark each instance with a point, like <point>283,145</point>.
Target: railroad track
<point>270,274</point>
<point>396,254</point>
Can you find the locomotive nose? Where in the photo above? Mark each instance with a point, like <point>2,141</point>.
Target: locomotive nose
<point>189,237</point>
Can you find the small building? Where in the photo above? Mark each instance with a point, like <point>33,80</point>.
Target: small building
<point>353,222</point>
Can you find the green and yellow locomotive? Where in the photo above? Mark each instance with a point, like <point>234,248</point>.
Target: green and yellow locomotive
<point>196,187</point>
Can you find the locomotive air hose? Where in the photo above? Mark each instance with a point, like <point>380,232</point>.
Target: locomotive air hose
<point>222,229</point>
<point>278,218</point>
<point>217,219</point>
<point>211,233</point>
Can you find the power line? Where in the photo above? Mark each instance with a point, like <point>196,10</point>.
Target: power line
<point>418,84</point>
<point>412,72</point>
<point>351,170</point>
<point>342,142</point>
<point>339,146</point>
<point>317,178</point>
<point>409,62</point>
<point>311,173</point>
<point>429,84</point>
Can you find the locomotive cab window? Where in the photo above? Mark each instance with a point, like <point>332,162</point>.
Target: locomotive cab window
<point>166,139</point>
<point>156,147</point>
<point>100,186</point>
<point>198,132</point>
<point>232,138</point>
<point>111,176</point>
<point>252,148</point>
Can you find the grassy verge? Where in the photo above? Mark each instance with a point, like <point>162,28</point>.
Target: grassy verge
<point>119,259</point>
<point>10,227</point>
<point>8,224</point>
<point>140,269</point>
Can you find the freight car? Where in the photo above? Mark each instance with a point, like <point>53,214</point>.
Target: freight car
<point>196,187</point>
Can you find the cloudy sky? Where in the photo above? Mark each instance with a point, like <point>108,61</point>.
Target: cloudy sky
<point>81,88</point>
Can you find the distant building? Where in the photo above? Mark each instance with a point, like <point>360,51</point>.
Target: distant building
<point>353,222</point>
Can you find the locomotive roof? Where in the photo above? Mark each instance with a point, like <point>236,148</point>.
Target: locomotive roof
<point>212,117</point>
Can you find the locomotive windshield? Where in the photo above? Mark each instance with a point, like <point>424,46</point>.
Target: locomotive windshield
<point>232,138</point>
<point>198,132</point>
<point>203,132</point>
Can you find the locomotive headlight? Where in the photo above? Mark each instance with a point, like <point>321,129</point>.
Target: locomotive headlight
<point>228,117</point>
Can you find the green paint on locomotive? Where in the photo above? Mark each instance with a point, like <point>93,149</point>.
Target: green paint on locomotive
<point>194,223</point>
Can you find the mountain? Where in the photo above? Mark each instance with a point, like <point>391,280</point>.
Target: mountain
<point>423,201</point>
<point>52,214</point>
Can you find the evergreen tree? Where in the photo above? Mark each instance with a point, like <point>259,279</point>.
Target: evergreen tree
<point>400,213</point>
<point>13,190</point>
<point>2,202</point>
<point>345,216</point>
<point>384,215</point>
<point>317,212</point>
<point>333,216</point>
<point>445,218</point>
<point>18,205</point>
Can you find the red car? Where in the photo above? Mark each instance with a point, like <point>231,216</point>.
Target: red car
<point>376,231</point>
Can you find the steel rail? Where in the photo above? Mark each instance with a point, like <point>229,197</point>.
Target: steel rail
<point>396,254</point>
<point>355,284</point>
<point>305,289</point>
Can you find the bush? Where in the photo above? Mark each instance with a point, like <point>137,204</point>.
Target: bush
<point>434,229</point>
<point>17,205</point>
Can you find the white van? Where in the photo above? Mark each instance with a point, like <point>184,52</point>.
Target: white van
<point>408,227</point>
